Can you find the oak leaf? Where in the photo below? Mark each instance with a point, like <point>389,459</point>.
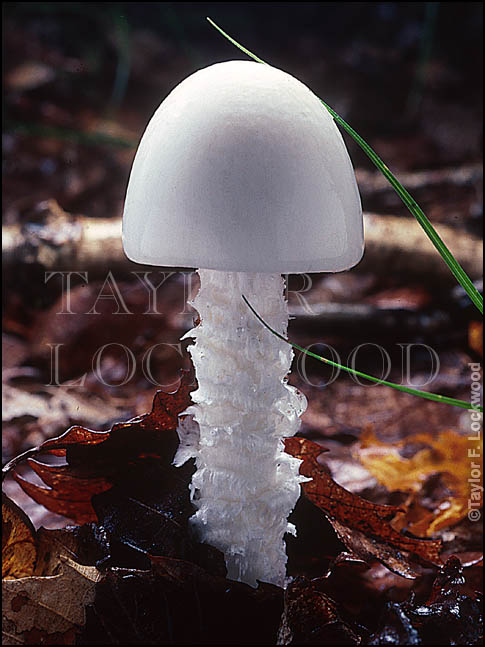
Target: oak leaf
<point>96,460</point>
<point>364,527</point>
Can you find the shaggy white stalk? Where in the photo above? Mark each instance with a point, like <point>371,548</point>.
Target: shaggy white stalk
<point>245,485</point>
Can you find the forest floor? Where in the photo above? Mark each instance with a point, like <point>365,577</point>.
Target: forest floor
<point>69,141</point>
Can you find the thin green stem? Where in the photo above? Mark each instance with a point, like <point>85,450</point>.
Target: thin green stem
<point>399,387</point>
<point>456,269</point>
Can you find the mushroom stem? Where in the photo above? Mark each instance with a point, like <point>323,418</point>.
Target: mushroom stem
<point>245,485</point>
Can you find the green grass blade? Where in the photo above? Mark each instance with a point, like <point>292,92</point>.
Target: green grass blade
<point>399,387</point>
<point>456,269</point>
<point>234,42</point>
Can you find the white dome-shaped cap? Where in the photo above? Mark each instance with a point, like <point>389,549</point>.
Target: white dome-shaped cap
<point>242,168</point>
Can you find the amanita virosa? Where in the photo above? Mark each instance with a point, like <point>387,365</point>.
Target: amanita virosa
<point>243,174</point>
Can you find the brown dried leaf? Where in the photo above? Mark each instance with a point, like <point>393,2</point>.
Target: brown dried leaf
<point>79,544</point>
<point>404,298</point>
<point>19,543</point>
<point>54,408</point>
<point>364,527</point>
<point>97,459</point>
<point>48,610</point>
<point>367,548</point>
<point>44,591</point>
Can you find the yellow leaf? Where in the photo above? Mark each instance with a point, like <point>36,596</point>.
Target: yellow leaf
<point>475,336</point>
<point>44,592</point>
<point>406,465</point>
<point>19,544</point>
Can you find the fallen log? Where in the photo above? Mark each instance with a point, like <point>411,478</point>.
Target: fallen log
<point>61,241</point>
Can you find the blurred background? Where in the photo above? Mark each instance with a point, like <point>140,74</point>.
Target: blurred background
<point>81,81</point>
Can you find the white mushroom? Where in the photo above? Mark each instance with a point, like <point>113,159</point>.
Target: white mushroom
<point>242,173</point>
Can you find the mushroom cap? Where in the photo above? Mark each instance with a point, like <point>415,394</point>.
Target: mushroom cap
<point>243,169</point>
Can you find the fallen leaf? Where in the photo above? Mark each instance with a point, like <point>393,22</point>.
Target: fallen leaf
<point>364,527</point>
<point>96,460</point>
<point>147,515</point>
<point>44,590</point>
<point>19,542</point>
<point>17,403</point>
<point>395,628</point>
<point>311,618</point>
<point>475,336</point>
<point>53,407</point>
<point>404,298</point>
<point>408,464</point>
<point>176,602</point>
<point>451,615</point>
<point>48,610</point>
<point>86,545</point>
<point>80,337</point>
<point>367,547</point>
<point>125,480</point>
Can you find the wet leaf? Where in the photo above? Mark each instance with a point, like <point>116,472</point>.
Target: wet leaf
<point>451,615</point>
<point>176,602</point>
<point>97,460</point>
<point>311,618</point>
<point>124,479</point>
<point>147,515</point>
<point>364,527</point>
<point>396,628</point>
<point>19,542</point>
<point>410,464</point>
